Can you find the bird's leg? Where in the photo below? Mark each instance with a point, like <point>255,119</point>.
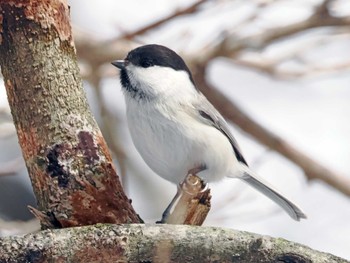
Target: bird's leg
<point>196,170</point>
<point>179,192</point>
<point>167,211</point>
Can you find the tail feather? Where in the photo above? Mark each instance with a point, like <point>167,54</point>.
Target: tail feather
<point>265,188</point>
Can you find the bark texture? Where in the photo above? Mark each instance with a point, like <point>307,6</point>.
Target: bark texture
<point>71,170</point>
<point>155,243</point>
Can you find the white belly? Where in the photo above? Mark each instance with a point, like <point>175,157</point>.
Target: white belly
<point>171,149</point>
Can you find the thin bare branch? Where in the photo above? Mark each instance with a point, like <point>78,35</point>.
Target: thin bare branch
<point>192,204</point>
<point>232,44</point>
<point>156,24</point>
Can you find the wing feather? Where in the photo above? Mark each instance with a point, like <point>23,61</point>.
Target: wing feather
<point>208,114</point>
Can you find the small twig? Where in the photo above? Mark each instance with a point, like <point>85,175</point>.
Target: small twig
<point>313,70</point>
<point>46,221</point>
<point>322,9</point>
<point>193,204</point>
<point>270,65</point>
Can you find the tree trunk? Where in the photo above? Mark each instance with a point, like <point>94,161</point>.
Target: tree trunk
<point>68,162</point>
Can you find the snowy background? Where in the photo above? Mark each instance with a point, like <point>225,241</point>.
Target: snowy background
<point>311,113</point>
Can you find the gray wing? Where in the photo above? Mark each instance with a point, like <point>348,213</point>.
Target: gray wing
<point>209,115</point>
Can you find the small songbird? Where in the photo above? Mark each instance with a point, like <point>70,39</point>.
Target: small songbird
<point>176,130</point>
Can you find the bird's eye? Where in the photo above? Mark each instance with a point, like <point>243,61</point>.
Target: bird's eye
<point>146,63</point>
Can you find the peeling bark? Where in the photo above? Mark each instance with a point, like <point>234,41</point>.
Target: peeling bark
<point>71,170</point>
<point>155,243</point>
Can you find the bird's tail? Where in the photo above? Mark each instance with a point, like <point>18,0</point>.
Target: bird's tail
<point>265,188</point>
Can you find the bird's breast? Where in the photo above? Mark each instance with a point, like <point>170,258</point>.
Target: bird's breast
<point>172,143</point>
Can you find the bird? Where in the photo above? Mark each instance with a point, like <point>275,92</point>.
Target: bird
<point>176,129</point>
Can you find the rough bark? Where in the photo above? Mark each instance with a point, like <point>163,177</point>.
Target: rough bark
<point>71,170</point>
<point>155,243</point>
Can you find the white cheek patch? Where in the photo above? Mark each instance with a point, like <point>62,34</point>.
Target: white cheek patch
<point>133,76</point>
<point>160,80</point>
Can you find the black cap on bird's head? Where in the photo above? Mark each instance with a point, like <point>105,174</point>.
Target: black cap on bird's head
<point>153,55</point>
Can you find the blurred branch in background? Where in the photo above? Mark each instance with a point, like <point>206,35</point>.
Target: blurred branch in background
<point>232,45</point>
<point>11,167</point>
<point>311,168</point>
<point>7,128</point>
<point>107,126</point>
<point>186,11</point>
<point>238,48</point>
<point>10,228</point>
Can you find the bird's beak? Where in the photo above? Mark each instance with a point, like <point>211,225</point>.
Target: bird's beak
<point>121,64</point>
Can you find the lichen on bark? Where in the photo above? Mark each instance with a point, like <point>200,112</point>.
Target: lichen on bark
<point>156,243</point>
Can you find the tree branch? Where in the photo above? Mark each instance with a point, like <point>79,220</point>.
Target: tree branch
<point>157,243</point>
<point>232,44</point>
